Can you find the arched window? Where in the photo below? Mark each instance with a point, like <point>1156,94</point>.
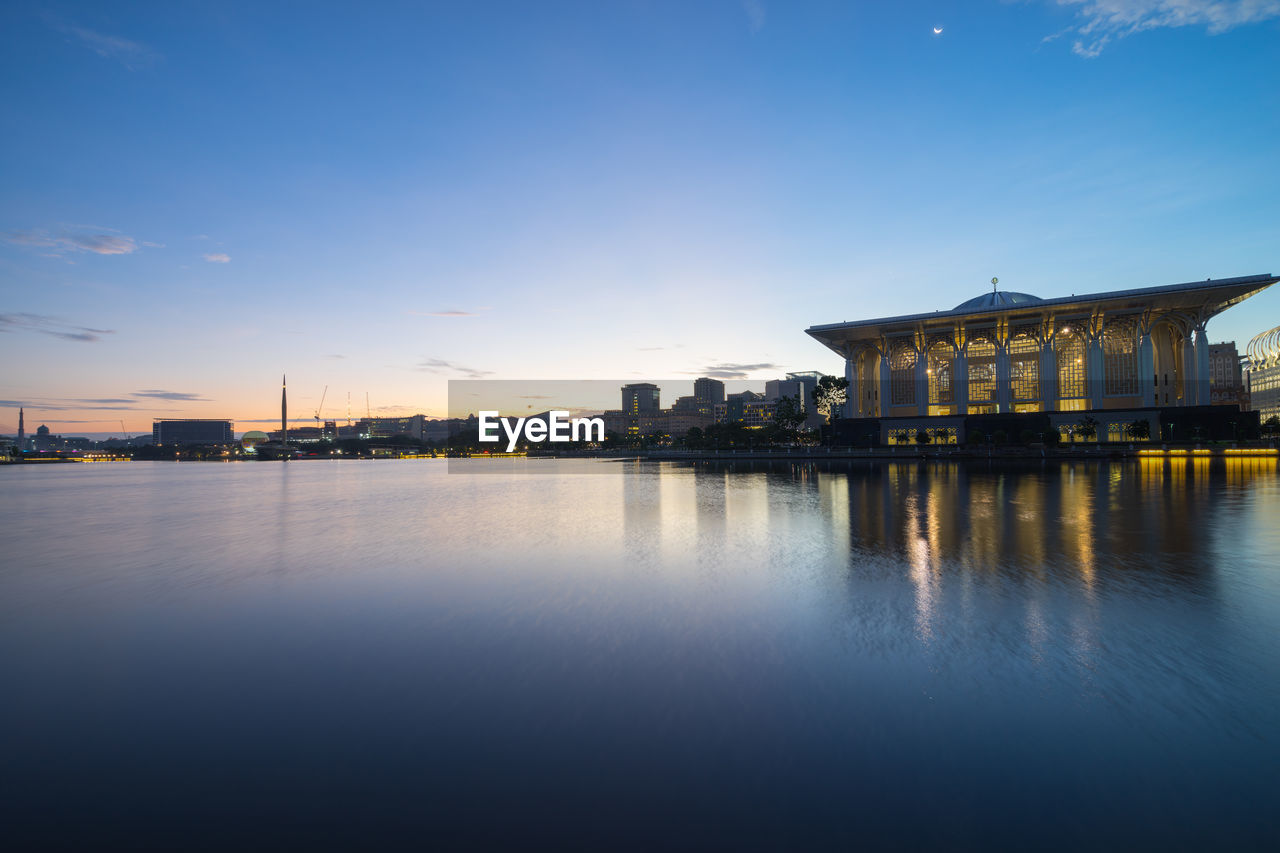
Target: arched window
<point>1120,358</point>
<point>1072,367</point>
<point>982,371</point>
<point>1024,367</point>
<point>902,374</point>
<point>941,379</point>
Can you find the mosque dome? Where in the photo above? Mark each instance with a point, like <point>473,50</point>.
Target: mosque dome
<point>997,299</point>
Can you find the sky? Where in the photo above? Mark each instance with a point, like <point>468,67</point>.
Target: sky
<point>377,198</point>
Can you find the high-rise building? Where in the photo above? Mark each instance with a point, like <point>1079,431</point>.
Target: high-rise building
<point>776,389</point>
<point>640,398</point>
<point>708,390</point>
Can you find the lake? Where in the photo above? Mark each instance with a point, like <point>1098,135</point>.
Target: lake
<point>370,654</point>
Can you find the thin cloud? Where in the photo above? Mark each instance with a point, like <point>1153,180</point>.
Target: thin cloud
<point>334,355</point>
<point>52,326</point>
<point>130,54</point>
<point>218,258</point>
<point>439,365</point>
<point>36,407</point>
<point>447,312</point>
<point>75,238</point>
<point>755,14</point>
<point>180,396</point>
<point>1104,20</point>
<point>731,370</point>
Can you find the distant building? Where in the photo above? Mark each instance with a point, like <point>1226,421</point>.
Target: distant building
<point>45,442</point>
<point>173,432</point>
<point>413,426</point>
<point>641,398</point>
<point>776,389</point>
<point>758,413</point>
<point>1226,378</point>
<point>708,391</point>
<point>1264,374</point>
<point>735,405</point>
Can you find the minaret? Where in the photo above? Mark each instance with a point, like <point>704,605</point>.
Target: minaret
<point>284,411</point>
<point>22,429</point>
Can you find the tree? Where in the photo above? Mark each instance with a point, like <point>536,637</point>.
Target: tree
<point>1139,430</point>
<point>922,436</point>
<point>789,416</point>
<point>1087,428</point>
<point>830,394</point>
<point>1271,426</point>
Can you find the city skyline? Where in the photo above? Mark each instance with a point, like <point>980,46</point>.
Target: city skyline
<point>201,199</point>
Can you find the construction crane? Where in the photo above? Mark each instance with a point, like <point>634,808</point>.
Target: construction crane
<point>321,406</point>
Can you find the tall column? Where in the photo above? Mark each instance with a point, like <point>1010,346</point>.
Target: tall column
<point>1147,369</point>
<point>851,393</point>
<point>922,383</point>
<point>960,380</point>
<point>883,403</point>
<point>1048,376</point>
<point>1202,368</point>
<point>1188,372</point>
<point>1094,351</point>
<point>1004,389</point>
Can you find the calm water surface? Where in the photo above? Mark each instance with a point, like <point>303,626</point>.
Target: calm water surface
<point>373,654</point>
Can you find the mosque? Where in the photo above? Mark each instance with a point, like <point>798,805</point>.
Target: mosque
<point>1116,357</point>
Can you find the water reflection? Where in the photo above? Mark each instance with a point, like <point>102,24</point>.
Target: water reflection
<point>849,654</point>
<point>986,517</point>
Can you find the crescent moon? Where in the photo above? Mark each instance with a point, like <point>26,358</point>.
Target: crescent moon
<point>937,31</point>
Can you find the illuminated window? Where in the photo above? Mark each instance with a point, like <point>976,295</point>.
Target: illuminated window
<point>941,386</point>
<point>1071,366</point>
<point>1120,358</point>
<point>1071,433</point>
<point>902,436</point>
<point>1024,368</point>
<point>982,371</point>
<point>902,375</point>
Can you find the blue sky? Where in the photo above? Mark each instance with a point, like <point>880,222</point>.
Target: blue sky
<point>198,198</point>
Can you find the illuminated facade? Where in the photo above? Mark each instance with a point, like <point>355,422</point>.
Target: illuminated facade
<point>1264,374</point>
<point>1006,352</point>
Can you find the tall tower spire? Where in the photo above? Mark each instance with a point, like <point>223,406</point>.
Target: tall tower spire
<point>22,428</point>
<point>284,410</point>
